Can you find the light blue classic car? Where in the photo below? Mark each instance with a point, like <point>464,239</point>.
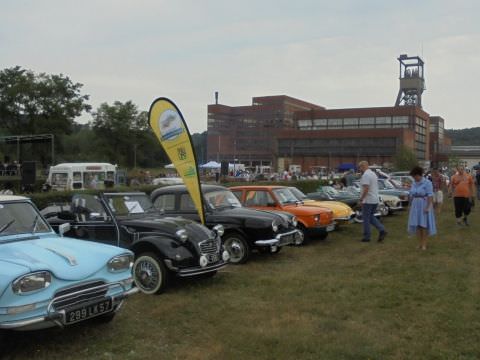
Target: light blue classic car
<point>48,280</point>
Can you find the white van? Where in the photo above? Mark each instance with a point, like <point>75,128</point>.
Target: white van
<point>81,176</point>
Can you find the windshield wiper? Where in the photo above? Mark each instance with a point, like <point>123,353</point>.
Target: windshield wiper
<point>34,225</point>
<point>7,225</point>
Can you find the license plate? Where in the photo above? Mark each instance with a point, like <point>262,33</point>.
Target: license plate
<point>88,311</point>
<point>331,227</point>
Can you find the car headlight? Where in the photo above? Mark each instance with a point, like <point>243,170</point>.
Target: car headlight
<point>274,226</point>
<point>294,221</point>
<point>182,235</point>
<point>32,282</point>
<point>120,263</point>
<point>219,230</point>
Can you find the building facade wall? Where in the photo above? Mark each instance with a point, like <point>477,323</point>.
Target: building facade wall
<point>280,130</point>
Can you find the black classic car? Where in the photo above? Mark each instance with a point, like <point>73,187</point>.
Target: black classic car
<point>245,229</point>
<point>163,246</point>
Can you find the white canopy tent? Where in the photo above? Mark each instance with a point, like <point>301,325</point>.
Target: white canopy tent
<point>211,165</point>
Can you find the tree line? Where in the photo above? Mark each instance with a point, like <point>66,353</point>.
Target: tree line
<point>119,133</point>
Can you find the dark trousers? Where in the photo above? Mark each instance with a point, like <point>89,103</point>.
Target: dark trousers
<point>462,206</point>
<point>368,218</point>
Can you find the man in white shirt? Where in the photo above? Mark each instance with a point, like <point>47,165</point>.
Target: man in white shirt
<point>369,201</point>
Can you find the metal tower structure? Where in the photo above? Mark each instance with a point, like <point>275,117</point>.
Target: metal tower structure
<point>412,81</point>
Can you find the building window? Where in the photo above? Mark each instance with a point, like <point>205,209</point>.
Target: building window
<point>383,122</point>
<point>368,122</point>
<point>350,123</point>
<point>335,123</point>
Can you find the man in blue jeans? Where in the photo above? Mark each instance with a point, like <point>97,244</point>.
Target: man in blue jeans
<point>369,201</point>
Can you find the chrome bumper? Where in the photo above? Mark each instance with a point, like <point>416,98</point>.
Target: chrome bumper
<point>194,271</point>
<point>58,317</point>
<point>296,238</point>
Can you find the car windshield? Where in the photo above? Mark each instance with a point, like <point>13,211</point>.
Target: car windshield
<point>388,185</point>
<point>20,218</point>
<point>396,183</point>
<point>129,204</point>
<point>297,193</point>
<point>285,196</point>
<point>330,191</point>
<point>221,199</point>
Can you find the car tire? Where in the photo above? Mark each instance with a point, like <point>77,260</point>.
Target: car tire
<point>150,274</point>
<point>303,229</point>
<point>323,235</point>
<point>384,210</point>
<point>237,247</point>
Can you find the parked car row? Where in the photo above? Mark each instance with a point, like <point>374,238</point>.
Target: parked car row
<point>80,260</point>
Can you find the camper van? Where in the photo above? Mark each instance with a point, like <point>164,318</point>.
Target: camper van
<point>81,176</point>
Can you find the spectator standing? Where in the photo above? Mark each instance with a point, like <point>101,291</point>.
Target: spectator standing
<point>421,218</point>
<point>461,187</point>
<point>438,183</point>
<point>369,200</point>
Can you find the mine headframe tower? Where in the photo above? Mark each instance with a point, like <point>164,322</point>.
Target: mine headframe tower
<point>412,81</point>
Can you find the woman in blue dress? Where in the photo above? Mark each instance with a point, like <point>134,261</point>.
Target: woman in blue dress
<point>421,219</point>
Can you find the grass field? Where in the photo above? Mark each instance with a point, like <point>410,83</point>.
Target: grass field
<point>333,299</point>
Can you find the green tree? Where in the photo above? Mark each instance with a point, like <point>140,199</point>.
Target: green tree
<point>405,159</point>
<point>123,135</point>
<point>38,103</point>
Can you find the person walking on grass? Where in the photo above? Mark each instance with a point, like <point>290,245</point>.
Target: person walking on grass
<point>369,200</point>
<point>462,189</point>
<point>421,218</point>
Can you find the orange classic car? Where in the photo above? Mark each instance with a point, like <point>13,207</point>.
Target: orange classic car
<point>313,221</point>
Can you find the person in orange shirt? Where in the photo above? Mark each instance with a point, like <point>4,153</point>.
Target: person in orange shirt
<point>461,186</point>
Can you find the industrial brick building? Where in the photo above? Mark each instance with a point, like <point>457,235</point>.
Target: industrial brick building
<point>280,131</point>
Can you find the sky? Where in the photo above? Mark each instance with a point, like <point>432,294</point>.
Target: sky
<point>338,54</point>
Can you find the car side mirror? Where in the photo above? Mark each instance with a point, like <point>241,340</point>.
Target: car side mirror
<point>64,228</point>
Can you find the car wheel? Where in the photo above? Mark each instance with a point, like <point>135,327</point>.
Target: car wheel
<point>323,235</point>
<point>150,274</point>
<point>237,247</point>
<point>384,210</point>
<point>303,229</point>
<point>358,217</point>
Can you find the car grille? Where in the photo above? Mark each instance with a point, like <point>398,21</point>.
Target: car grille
<point>79,294</point>
<point>210,248</point>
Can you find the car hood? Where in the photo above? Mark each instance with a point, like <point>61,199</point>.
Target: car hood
<point>242,213</point>
<point>66,258</point>
<point>167,225</point>
<point>339,209</point>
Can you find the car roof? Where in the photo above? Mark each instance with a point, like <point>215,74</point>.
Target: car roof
<point>247,187</point>
<point>12,197</point>
<point>181,187</point>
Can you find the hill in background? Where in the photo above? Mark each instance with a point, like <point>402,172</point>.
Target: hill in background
<point>464,136</point>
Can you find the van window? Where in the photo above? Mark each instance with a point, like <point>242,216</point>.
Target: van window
<point>59,179</point>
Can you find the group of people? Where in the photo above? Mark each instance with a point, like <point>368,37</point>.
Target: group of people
<point>426,197</point>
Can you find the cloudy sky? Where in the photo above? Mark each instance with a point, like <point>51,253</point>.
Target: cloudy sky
<point>338,54</point>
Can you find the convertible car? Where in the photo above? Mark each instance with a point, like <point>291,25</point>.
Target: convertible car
<point>48,280</point>
<point>164,246</point>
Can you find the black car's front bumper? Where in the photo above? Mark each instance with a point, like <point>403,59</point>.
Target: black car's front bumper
<point>194,271</point>
<point>291,237</point>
